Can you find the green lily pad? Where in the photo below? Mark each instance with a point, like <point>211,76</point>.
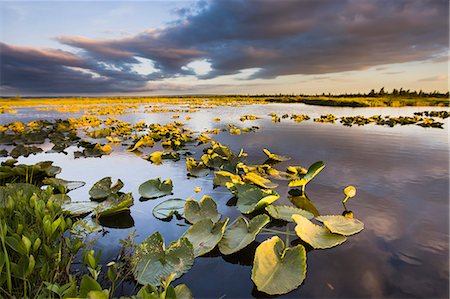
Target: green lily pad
<point>304,179</point>
<point>104,188</point>
<point>341,225</point>
<point>275,157</point>
<point>196,169</point>
<point>63,186</point>
<point>251,197</point>
<point>80,207</point>
<point>166,209</point>
<point>205,235</point>
<point>24,151</point>
<point>153,262</point>
<point>301,201</point>
<point>222,177</point>
<point>241,233</point>
<point>285,212</point>
<point>114,205</point>
<point>277,270</point>
<point>155,188</point>
<point>206,209</point>
<point>259,181</point>
<point>317,236</point>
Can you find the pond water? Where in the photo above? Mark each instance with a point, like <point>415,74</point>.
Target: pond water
<point>401,174</point>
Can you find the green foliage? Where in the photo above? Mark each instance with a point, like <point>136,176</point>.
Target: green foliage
<point>35,243</point>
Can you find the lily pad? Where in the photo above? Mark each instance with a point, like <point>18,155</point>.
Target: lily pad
<point>301,200</point>
<point>205,235</point>
<point>155,188</point>
<point>259,181</point>
<point>241,233</point>
<point>206,209</point>
<point>80,207</point>
<point>196,169</point>
<point>317,236</point>
<point>251,197</point>
<point>341,225</point>
<point>285,212</point>
<point>166,209</point>
<point>313,170</point>
<point>153,262</point>
<point>63,186</point>
<point>277,270</point>
<point>104,188</point>
<point>114,205</point>
<point>222,177</point>
<point>275,157</point>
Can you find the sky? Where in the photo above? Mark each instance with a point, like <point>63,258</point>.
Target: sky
<point>222,47</point>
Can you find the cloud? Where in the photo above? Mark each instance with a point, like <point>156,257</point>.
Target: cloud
<point>435,78</point>
<point>283,38</point>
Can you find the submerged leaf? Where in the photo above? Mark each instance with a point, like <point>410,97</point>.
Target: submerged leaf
<point>206,209</point>
<point>155,188</point>
<point>277,270</point>
<point>205,235</point>
<point>317,236</point>
<point>241,233</point>
<point>285,212</point>
<point>152,262</point>
<point>341,225</point>
<point>166,209</point>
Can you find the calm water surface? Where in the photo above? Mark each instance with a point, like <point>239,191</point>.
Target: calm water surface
<point>401,173</point>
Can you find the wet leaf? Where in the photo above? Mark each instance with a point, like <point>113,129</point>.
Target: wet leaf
<point>317,236</point>
<point>80,207</point>
<point>313,170</point>
<point>196,169</point>
<point>241,233</point>
<point>341,225</point>
<point>259,181</point>
<point>222,177</point>
<point>155,188</point>
<point>114,205</point>
<point>166,209</point>
<point>251,198</point>
<point>275,157</point>
<point>206,209</point>
<point>153,262</point>
<point>277,270</point>
<point>285,212</point>
<point>104,188</point>
<point>205,235</point>
<point>63,186</point>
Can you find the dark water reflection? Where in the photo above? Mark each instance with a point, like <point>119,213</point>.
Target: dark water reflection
<point>402,177</point>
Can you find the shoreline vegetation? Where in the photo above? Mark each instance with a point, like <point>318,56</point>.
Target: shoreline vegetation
<point>396,98</point>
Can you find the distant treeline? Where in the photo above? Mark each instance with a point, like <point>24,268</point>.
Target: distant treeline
<point>372,94</point>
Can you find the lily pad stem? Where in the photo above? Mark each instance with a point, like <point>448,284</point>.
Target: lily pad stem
<point>345,199</point>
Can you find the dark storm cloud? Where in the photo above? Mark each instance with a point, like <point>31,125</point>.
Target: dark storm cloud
<point>279,38</point>
<point>29,70</point>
